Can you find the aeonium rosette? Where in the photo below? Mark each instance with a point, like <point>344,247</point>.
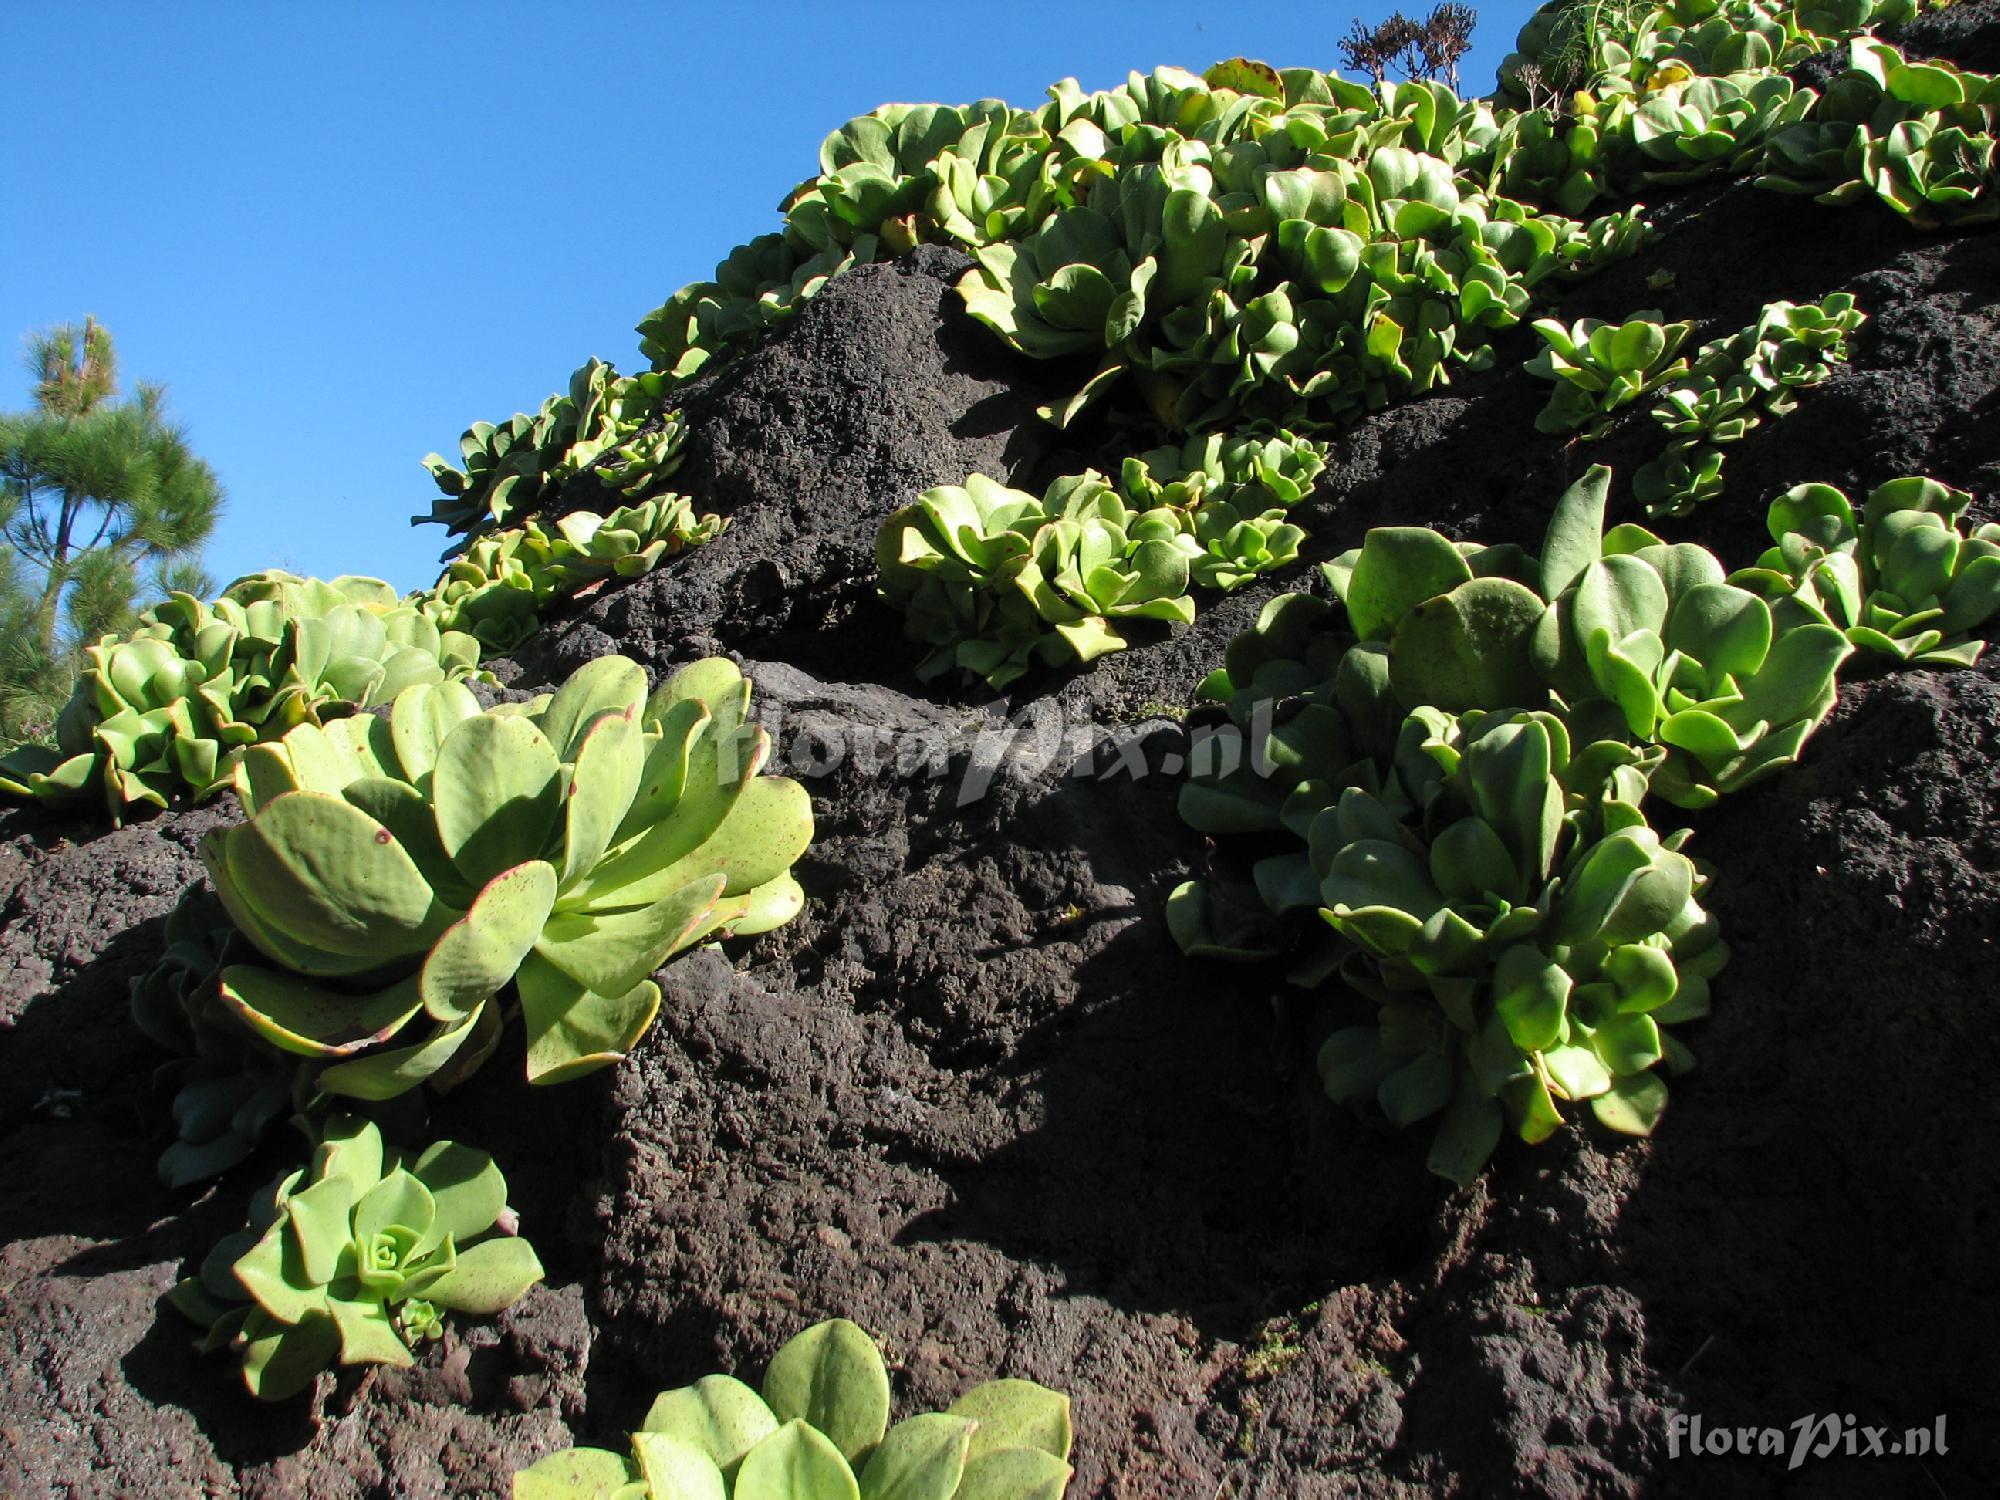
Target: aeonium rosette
<point>400,873</point>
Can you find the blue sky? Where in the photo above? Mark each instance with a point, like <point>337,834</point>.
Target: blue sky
<point>341,233</point>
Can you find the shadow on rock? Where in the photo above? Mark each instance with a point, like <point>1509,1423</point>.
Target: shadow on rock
<point>1148,1084</point>
<point>164,1368</point>
<point>83,1118</point>
<point>1812,1230</point>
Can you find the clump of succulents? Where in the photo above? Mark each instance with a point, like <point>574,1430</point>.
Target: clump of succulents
<point>1542,158</point>
<point>1295,284</point>
<point>395,874</point>
<point>1206,233</point>
<point>997,581</point>
<point>1619,624</point>
<point>1728,683</point>
<point>1255,473</point>
<point>1620,95</point>
<point>1522,930</point>
<point>1275,244</point>
<point>1482,877</point>
<point>610,425</point>
<point>820,1430</point>
<point>1229,498</point>
<point>356,1258</point>
<point>169,709</point>
<point>1918,136</point>
<point>1450,766</point>
<point>1732,385</point>
<point>497,590</point>
<point>1599,367</point>
<point>1905,579</point>
<point>1604,47</point>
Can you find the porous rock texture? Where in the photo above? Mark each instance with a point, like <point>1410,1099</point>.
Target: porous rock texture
<point>973,1099</point>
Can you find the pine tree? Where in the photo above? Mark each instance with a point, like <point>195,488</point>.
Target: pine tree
<point>92,490</point>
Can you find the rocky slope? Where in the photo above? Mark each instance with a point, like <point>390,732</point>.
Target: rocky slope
<point>975,1100</point>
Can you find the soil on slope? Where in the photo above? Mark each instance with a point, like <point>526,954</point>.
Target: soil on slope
<point>973,1099</point>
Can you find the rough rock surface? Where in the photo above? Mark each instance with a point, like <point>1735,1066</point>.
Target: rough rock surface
<point>974,1100</point>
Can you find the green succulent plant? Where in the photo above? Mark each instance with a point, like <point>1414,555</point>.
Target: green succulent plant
<point>1236,546</point>
<point>1388,269</point>
<point>1094,561</point>
<point>611,425</point>
<point>1523,931</point>
<point>997,581</point>
<point>168,710</point>
<point>1259,473</point>
<point>1918,136</point>
<point>1687,473</point>
<point>1223,502</point>
<point>1648,640</point>
<point>1790,347</point>
<point>1067,288</point>
<point>496,592</point>
<point>1733,384</point>
<point>1599,367</point>
<point>820,1431</point>
<point>1935,175</point>
<point>1565,161</point>
<point>1690,127</point>
<point>1731,684</point>
<point>1905,580</point>
<point>303,644</point>
<point>941,558</point>
<point>356,1258</point>
<point>1588,248</point>
<point>397,873</point>
<point>1474,841</point>
<point>756,288</point>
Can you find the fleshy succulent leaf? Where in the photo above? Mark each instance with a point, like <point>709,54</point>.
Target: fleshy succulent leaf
<point>573,1030</point>
<point>313,1020</point>
<point>831,1376</point>
<point>718,1414</point>
<point>488,1276</point>
<point>480,952</point>
<point>328,876</point>
<point>281,1359</point>
<point>573,1474</point>
<point>1014,1474</point>
<point>796,1462</point>
<point>675,1470</point>
<point>496,790</point>
<point>920,1458</point>
<point>1016,1414</point>
<point>396,1070</point>
<point>467,1191</point>
<point>1398,569</point>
